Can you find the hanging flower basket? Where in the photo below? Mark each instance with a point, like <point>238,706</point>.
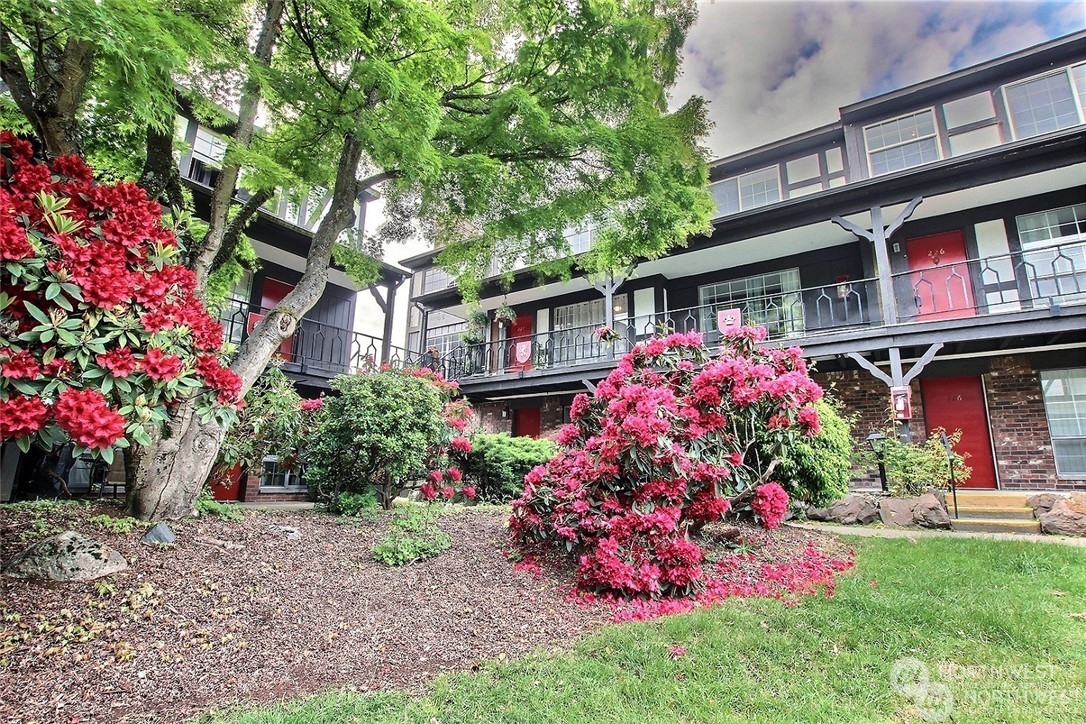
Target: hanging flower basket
<point>504,314</point>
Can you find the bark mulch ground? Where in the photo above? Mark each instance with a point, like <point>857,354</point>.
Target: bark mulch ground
<point>275,606</point>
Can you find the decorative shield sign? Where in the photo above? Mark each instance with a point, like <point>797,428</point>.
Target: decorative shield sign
<point>729,319</point>
<point>524,352</point>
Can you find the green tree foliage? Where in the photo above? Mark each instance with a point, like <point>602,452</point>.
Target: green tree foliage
<point>817,470</point>
<point>498,463</point>
<point>376,433</point>
<point>497,125</point>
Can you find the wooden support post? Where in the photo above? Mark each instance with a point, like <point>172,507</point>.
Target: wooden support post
<point>898,377</point>
<point>878,236</point>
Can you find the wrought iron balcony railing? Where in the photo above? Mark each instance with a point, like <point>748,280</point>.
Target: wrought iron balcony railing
<point>1047,277</point>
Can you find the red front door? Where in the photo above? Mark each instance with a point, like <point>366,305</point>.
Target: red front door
<point>520,343</point>
<point>939,281</point>
<point>955,403</point>
<point>526,422</point>
<point>271,294</point>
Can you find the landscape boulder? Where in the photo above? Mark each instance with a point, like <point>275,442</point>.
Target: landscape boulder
<point>849,510</point>
<point>929,512</point>
<point>1066,517</point>
<point>161,533</point>
<point>896,511</point>
<point>1043,502</point>
<point>67,556</point>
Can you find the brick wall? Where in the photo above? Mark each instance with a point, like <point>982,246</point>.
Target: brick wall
<point>251,493</point>
<point>550,418</point>
<point>861,394</point>
<point>1023,447</point>
<point>488,418</point>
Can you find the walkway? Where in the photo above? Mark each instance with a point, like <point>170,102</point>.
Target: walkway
<point>882,532</point>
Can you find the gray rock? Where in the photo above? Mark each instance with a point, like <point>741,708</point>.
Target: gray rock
<point>930,513</point>
<point>1067,517</point>
<point>852,509</point>
<point>292,533</point>
<point>161,533</point>
<point>896,511</point>
<point>818,514</point>
<point>67,556</point>
<point>1043,502</point>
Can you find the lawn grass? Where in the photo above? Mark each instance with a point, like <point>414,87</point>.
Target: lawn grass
<point>1000,611</point>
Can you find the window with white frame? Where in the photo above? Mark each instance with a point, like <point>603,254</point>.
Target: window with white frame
<point>902,142</point>
<point>234,315</point>
<point>726,196</point>
<point>1064,393</point>
<point>209,147</point>
<point>590,315</point>
<point>771,300</point>
<point>436,279</point>
<point>1048,103</point>
<point>759,188</point>
<point>273,477</point>
<point>445,339</point>
<point>1054,253</point>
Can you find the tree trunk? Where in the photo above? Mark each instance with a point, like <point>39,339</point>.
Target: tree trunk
<point>165,478</point>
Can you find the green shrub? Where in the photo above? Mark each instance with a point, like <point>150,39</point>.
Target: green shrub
<point>817,470</point>
<point>413,535</point>
<point>123,526</point>
<point>498,463</point>
<point>353,504</point>
<point>207,505</point>
<point>911,468</point>
<point>375,434</point>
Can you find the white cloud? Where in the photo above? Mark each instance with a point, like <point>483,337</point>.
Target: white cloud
<point>772,69</point>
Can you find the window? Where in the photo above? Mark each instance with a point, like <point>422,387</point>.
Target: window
<point>445,339</point>
<point>771,300</point>
<point>1064,393</point>
<point>436,279</point>
<point>760,188</point>
<point>272,477</point>
<point>1045,104</point>
<point>749,191</point>
<point>235,309</point>
<point>208,147</point>
<point>902,143</point>
<point>590,315</point>
<point>1054,253</point>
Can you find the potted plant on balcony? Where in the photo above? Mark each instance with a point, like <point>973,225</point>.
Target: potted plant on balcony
<point>475,328</point>
<point>504,314</point>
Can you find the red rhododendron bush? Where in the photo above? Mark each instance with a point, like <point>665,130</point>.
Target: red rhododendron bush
<point>99,329</point>
<point>670,441</point>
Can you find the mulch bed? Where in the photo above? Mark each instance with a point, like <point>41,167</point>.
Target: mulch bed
<point>195,625</point>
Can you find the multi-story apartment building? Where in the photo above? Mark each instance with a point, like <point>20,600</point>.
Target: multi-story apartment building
<point>931,242</point>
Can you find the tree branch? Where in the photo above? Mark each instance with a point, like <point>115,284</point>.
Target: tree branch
<point>222,195</point>
<point>232,236</point>
<point>160,176</point>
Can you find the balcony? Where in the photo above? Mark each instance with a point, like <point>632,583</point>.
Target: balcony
<point>1014,287</point>
<point>316,351</point>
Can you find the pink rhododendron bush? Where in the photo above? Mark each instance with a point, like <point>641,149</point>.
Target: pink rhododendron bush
<point>100,331</point>
<point>670,441</point>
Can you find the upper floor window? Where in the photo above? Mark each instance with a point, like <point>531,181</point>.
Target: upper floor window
<point>1044,227</point>
<point>587,316</point>
<point>902,143</point>
<point>1054,253</point>
<point>1049,103</point>
<point>435,279</point>
<point>749,191</point>
<point>208,147</point>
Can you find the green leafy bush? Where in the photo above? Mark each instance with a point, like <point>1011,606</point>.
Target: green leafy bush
<point>207,505</point>
<point>353,504</point>
<point>413,535</point>
<point>384,432</point>
<point>498,463</point>
<point>817,470</point>
<point>123,526</point>
<point>911,468</point>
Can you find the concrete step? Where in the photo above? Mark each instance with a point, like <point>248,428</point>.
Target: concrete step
<point>994,498</point>
<point>990,512</point>
<point>995,525</point>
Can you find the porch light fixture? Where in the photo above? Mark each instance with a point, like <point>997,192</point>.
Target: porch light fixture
<point>876,441</point>
<point>505,413</point>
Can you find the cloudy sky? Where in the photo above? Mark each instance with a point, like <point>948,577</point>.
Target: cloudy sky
<point>772,69</point>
